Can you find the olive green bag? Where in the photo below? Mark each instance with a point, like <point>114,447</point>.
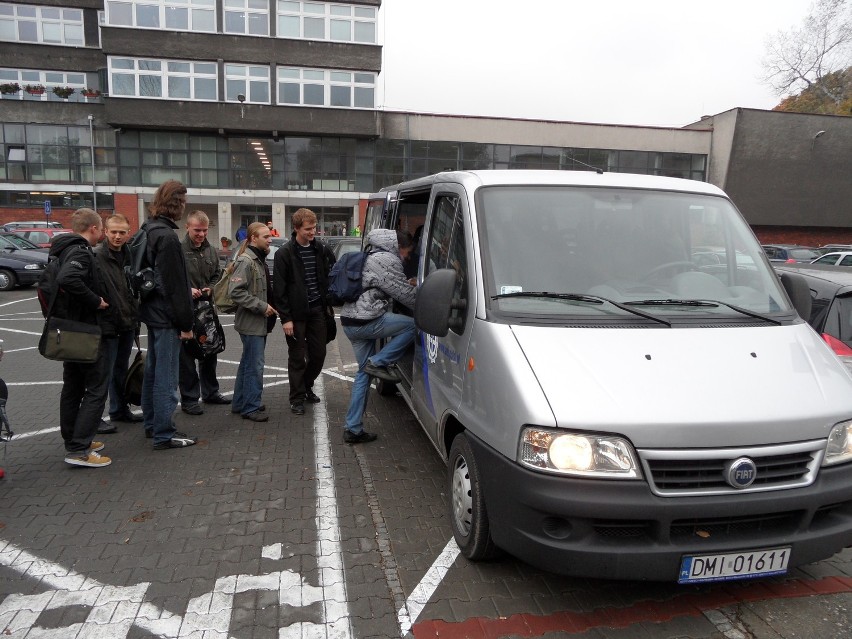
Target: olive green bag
<point>67,340</point>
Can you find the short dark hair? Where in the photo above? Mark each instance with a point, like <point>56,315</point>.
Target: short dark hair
<point>404,239</point>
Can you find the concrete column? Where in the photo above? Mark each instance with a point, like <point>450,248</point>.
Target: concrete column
<point>142,211</point>
<point>356,210</point>
<point>224,223</point>
<point>279,219</point>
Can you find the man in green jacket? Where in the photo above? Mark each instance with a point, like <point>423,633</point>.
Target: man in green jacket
<point>198,377</point>
<point>249,288</point>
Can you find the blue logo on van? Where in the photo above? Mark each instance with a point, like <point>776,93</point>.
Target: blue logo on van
<point>741,472</point>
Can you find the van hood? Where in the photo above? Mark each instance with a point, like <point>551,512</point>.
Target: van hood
<point>699,387</point>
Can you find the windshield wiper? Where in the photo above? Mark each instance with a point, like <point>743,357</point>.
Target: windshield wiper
<point>709,303</point>
<point>580,297</point>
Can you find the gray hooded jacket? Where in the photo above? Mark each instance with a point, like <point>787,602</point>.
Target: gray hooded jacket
<point>382,279</point>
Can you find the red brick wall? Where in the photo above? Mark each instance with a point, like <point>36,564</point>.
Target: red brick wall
<point>63,216</point>
<point>804,235</point>
<point>127,205</point>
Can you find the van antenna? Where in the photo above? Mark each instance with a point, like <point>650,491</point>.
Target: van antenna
<point>596,169</point>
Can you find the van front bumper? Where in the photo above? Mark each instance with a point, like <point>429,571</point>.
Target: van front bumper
<point>619,530</point>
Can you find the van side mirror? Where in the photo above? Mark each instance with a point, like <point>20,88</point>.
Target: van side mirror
<point>435,302</point>
<point>800,293</point>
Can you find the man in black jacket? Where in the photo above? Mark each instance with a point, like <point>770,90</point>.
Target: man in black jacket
<point>198,377</point>
<point>120,322</point>
<point>167,312</point>
<point>84,386</point>
<point>300,288</point>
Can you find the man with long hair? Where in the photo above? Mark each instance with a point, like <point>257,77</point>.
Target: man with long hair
<point>167,312</point>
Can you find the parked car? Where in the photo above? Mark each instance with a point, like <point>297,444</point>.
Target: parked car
<point>275,243</point>
<point>19,267</point>
<point>346,245</point>
<point>830,248</point>
<point>41,236</point>
<point>31,224</point>
<point>839,258</point>
<point>790,253</point>
<point>19,242</point>
<point>831,305</point>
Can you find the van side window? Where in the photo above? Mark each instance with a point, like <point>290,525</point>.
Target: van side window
<point>446,248</point>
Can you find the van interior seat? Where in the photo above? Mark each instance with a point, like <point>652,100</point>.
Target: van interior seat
<point>697,285</point>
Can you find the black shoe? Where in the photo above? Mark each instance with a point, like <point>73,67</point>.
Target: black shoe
<point>149,434</point>
<point>178,440</point>
<point>192,409</point>
<point>381,372</point>
<point>256,416</point>
<point>218,399</point>
<point>312,398</point>
<point>105,428</point>
<point>361,438</point>
<point>298,408</point>
<point>126,416</point>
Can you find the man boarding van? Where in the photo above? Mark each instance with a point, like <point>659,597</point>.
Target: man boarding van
<point>618,381</point>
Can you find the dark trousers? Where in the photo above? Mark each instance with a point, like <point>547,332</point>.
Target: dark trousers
<point>306,353</point>
<point>81,403</point>
<point>197,378</point>
<point>118,359</point>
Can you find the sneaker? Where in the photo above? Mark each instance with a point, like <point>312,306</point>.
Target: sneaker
<point>256,416</point>
<point>178,440</point>
<point>298,408</point>
<point>94,447</point>
<point>90,459</point>
<point>312,398</point>
<point>381,372</point>
<point>192,409</point>
<point>361,438</point>
<point>218,399</point>
<point>127,416</point>
<point>105,428</point>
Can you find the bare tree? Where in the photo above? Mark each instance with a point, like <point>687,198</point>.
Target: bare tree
<point>800,59</point>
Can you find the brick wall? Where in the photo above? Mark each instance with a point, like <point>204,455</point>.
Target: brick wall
<point>804,235</point>
<point>128,205</point>
<point>63,216</point>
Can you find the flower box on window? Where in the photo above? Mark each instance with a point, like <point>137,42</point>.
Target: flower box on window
<point>34,89</point>
<point>62,92</point>
<point>9,87</point>
<point>91,93</point>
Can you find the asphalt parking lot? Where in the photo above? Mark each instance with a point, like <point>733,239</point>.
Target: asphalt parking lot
<point>280,530</point>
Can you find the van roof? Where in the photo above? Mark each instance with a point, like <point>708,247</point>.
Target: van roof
<point>558,178</point>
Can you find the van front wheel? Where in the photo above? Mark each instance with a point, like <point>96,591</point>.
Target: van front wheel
<point>467,503</point>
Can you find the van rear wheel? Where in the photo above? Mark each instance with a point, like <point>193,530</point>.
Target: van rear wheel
<point>467,503</point>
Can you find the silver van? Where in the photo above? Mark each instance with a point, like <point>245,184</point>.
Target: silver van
<point>609,401</point>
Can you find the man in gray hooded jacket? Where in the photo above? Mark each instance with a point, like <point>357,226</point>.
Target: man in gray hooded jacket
<point>370,317</point>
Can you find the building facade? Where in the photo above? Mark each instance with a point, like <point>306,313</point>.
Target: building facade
<point>264,106</point>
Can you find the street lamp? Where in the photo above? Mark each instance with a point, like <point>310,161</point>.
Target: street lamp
<point>92,152</point>
<point>818,133</point>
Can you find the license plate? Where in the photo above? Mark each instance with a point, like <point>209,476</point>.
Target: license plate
<point>736,565</point>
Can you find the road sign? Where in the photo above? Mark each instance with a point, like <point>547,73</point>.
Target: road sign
<point>47,207</point>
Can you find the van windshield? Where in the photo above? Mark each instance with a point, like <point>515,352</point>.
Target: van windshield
<point>656,252</point>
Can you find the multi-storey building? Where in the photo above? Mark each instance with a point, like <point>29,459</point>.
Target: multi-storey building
<point>263,106</point>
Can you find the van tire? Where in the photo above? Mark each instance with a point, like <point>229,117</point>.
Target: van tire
<point>467,503</point>
<point>384,388</point>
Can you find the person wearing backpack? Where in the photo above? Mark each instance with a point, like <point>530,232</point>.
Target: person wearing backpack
<point>300,286</point>
<point>249,288</point>
<point>77,295</point>
<point>370,317</point>
<point>198,376</point>
<point>167,312</point>
<point>120,323</point>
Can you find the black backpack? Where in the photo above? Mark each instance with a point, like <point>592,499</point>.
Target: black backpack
<point>47,288</point>
<point>139,272</point>
<point>344,279</point>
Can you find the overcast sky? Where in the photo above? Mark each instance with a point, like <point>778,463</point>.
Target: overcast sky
<point>644,62</point>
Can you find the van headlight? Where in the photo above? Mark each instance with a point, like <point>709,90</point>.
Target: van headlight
<point>598,456</point>
<point>839,446</point>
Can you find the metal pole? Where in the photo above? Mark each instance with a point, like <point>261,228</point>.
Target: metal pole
<point>92,151</point>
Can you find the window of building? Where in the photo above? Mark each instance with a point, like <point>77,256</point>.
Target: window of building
<point>49,80</point>
<point>176,15</point>
<point>164,79</point>
<point>322,87</point>
<point>247,17</point>
<point>326,21</point>
<point>250,81</point>
<point>42,25</point>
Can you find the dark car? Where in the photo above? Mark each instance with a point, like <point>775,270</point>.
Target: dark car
<point>790,253</point>
<point>831,304</point>
<point>19,266</point>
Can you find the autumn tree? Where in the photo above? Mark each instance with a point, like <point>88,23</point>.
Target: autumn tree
<point>813,61</point>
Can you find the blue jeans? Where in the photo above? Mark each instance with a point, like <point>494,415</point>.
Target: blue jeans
<point>118,355</point>
<point>159,389</point>
<point>248,387</point>
<point>400,328</point>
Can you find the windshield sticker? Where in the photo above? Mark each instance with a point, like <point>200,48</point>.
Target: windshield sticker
<point>511,289</point>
